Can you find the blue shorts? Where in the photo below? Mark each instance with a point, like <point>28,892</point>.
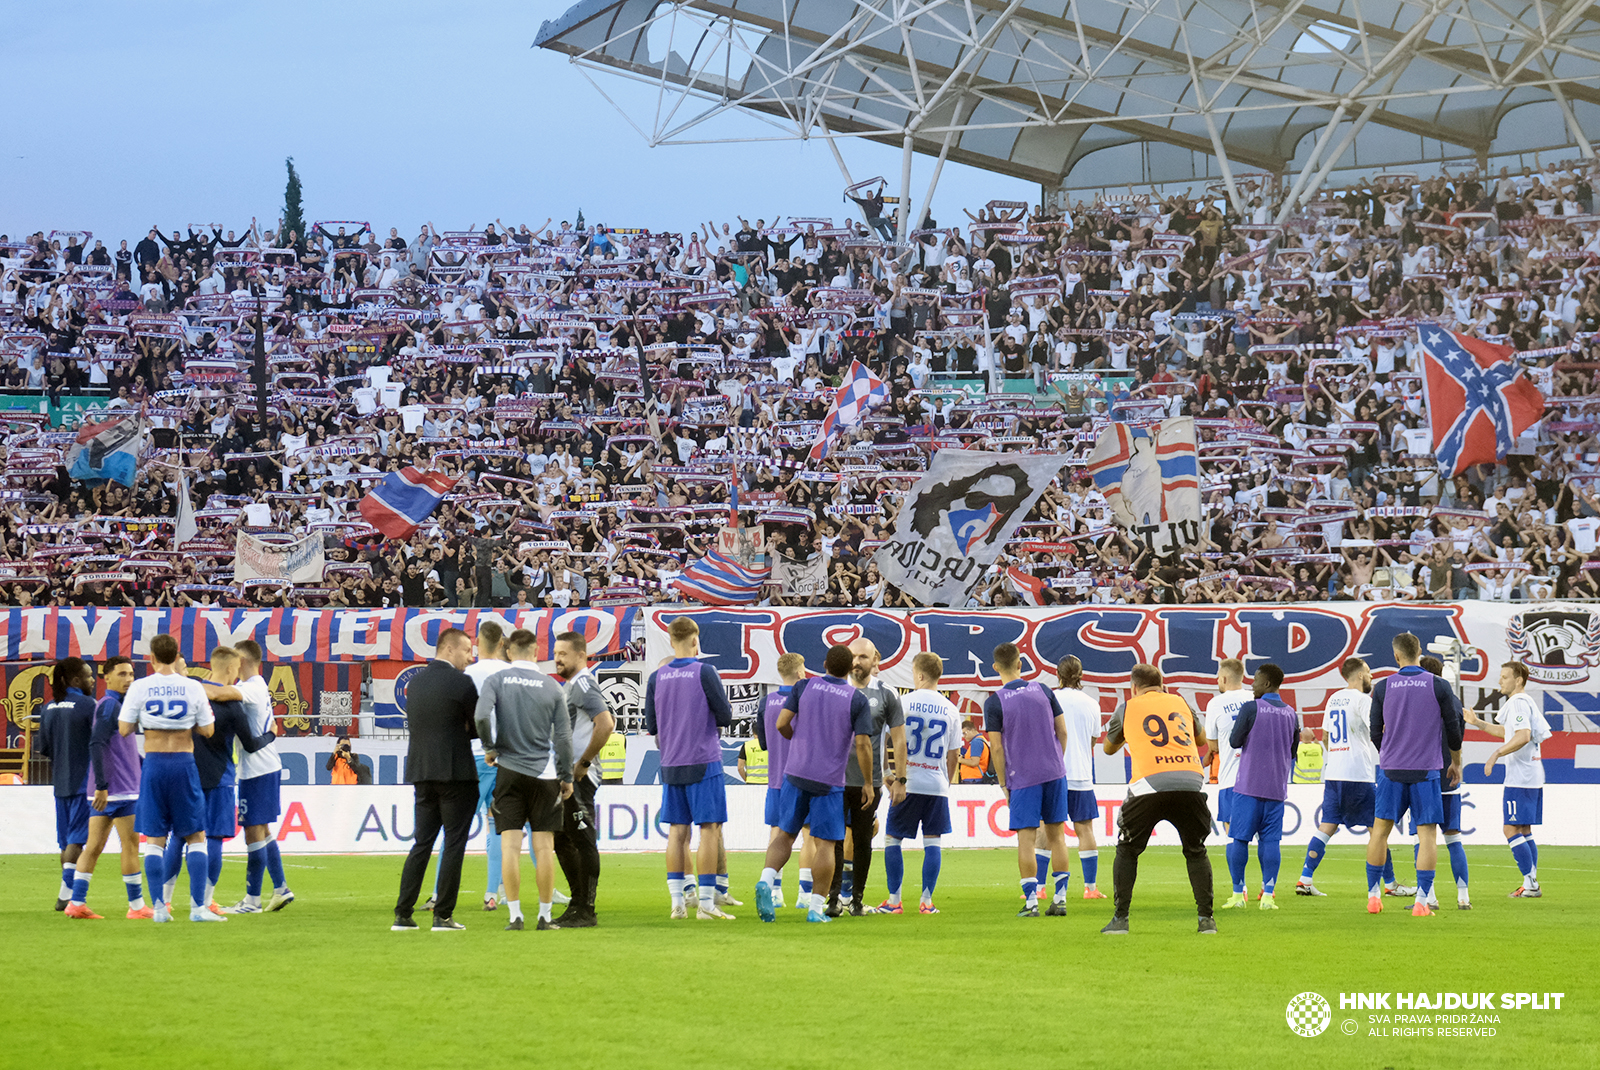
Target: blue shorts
<point>1256,819</point>
<point>170,799</point>
<point>116,809</point>
<point>1082,805</point>
<point>258,799</point>
<point>1039,804</point>
<point>1348,803</point>
<point>221,812</point>
<point>72,820</point>
<point>1422,800</point>
<point>1225,805</point>
<point>772,809</point>
<point>1524,806</point>
<point>1451,822</point>
<point>798,808</point>
<point>704,802</point>
<point>930,813</point>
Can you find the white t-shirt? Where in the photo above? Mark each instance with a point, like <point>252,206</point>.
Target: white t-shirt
<point>166,702</point>
<point>258,710</point>
<point>1347,727</point>
<point>1221,712</point>
<point>1083,728</point>
<point>1524,766</point>
<point>932,729</point>
<point>479,672</point>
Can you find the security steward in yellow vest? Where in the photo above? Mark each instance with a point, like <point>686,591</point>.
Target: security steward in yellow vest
<point>614,759</point>
<point>753,762</point>
<point>1164,738</point>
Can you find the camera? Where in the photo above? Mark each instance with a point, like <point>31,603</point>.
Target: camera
<point>1446,646</point>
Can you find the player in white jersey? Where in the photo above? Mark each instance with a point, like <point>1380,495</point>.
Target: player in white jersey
<point>259,777</point>
<point>1348,768</point>
<point>1083,730</point>
<point>171,709</point>
<point>1221,712</point>
<point>933,741</point>
<point>1523,728</point>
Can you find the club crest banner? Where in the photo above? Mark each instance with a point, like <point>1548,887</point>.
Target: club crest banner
<point>300,561</point>
<point>958,516</point>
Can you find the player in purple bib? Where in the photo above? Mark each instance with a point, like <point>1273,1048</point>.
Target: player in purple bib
<point>821,718</point>
<point>791,667</point>
<point>684,708</point>
<point>1266,734</point>
<point>113,790</point>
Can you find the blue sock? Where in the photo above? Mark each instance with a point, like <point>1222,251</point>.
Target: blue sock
<point>1376,879</point>
<point>1458,860</point>
<point>894,868</point>
<point>1388,867</point>
<point>777,886</point>
<point>1041,865</point>
<point>135,886</point>
<point>173,857</point>
<point>1535,849</point>
<point>275,866</point>
<point>1416,852</point>
<point>1060,881</point>
<point>1030,891</point>
<point>847,880</point>
<point>932,859</point>
<point>197,877</point>
<point>80,887</point>
<point>1238,854</point>
<point>155,871</point>
<point>1090,861</point>
<point>1314,852</point>
<point>255,866</point>
<point>1270,855</point>
<point>69,873</point>
<point>708,890</point>
<point>492,849</point>
<point>213,861</point>
<point>722,884</point>
<point>1424,883</point>
<point>1522,854</point>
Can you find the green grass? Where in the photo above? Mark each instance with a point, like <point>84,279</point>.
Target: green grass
<point>325,984</point>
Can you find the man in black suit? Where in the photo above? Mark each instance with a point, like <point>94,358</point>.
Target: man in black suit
<point>440,707</point>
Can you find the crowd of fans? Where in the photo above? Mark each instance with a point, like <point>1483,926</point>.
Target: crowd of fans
<point>511,357</point>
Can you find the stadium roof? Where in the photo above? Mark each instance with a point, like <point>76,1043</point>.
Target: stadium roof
<point>1091,94</point>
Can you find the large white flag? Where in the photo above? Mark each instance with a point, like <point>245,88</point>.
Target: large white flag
<point>1151,480</point>
<point>958,516</point>
<point>300,561</point>
<point>187,527</point>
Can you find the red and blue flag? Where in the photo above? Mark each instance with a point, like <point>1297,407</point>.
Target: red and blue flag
<point>861,393</point>
<point>1478,398</point>
<point>404,500</point>
<point>720,581</point>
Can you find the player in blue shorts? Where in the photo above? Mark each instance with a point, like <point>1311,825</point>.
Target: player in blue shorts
<point>932,745</point>
<point>113,786</point>
<point>1449,827</point>
<point>1083,719</point>
<point>1222,710</point>
<point>791,667</point>
<point>213,756</point>
<point>1028,738</point>
<point>65,726</point>
<point>259,776</point>
<point>1523,728</point>
<point>1266,735</point>
<point>171,708</point>
<point>685,706</point>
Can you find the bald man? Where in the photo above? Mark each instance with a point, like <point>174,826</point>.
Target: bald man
<point>853,856</point>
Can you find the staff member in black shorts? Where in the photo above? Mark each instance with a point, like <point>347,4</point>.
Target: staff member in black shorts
<point>527,737</point>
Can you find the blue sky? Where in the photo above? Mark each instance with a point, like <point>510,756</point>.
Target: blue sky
<point>120,115</point>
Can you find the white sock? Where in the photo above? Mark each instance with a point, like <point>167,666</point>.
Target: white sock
<point>253,900</point>
<point>211,893</point>
<point>819,901</point>
<point>69,873</point>
<point>166,891</point>
<point>516,909</point>
<point>544,911</point>
<point>769,876</point>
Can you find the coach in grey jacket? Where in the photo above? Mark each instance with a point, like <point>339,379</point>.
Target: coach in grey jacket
<point>527,736</point>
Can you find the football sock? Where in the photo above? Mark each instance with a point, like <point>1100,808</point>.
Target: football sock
<point>777,887</point>
<point>134,882</point>
<point>675,888</point>
<point>805,881</point>
<point>173,857</point>
<point>819,902</point>
<point>1090,861</point>
<point>1424,885</point>
<point>1416,852</point>
<point>1041,864</point>
<point>1458,859</point>
<point>769,876</point>
<point>1314,852</point>
<point>932,859</point>
<point>722,884</point>
<point>213,863</point>
<point>847,881</point>
<point>1030,891</point>
<point>1375,879</point>
<point>155,869</point>
<point>1534,848</point>
<point>708,892</point>
<point>544,910</point>
<point>1522,855</point>
<point>1060,881</point>
<point>1388,867</point>
<point>80,887</point>
<point>894,868</point>
<point>197,877</point>
<point>515,906</point>
<point>1270,855</point>
<point>1238,854</point>
<point>275,867</point>
<point>255,867</point>
<point>69,873</point>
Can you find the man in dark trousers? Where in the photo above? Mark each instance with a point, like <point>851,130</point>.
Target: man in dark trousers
<point>63,736</point>
<point>440,704</point>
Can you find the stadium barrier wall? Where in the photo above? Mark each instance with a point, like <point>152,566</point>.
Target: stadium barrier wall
<point>378,819</point>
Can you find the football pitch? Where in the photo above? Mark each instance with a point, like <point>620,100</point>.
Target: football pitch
<point>324,983</point>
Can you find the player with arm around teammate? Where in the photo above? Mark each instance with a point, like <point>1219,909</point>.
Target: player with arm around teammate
<point>213,755</point>
<point>1449,827</point>
<point>931,749</point>
<point>1523,728</point>
<point>1221,711</point>
<point>791,668</point>
<point>259,777</point>
<point>1082,715</point>
<point>113,790</point>
<point>1266,735</point>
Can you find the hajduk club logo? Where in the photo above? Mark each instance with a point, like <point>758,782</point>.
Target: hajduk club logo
<point>1557,645</point>
<point>1308,1015</point>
